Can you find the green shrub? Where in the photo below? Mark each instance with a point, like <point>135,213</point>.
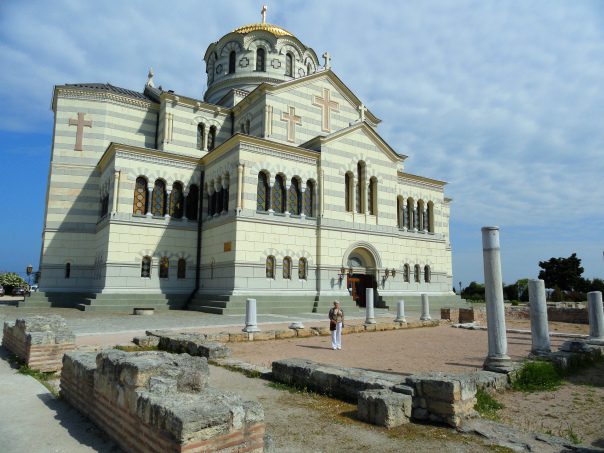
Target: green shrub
<point>515,303</point>
<point>537,376</point>
<point>486,405</point>
<point>10,280</point>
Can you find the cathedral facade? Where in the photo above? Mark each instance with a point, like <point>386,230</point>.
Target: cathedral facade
<point>276,185</point>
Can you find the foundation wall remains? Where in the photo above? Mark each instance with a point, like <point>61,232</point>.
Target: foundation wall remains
<point>573,315</point>
<point>40,341</point>
<point>160,402</point>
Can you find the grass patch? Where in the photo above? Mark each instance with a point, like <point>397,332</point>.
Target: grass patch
<point>136,348</point>
<point>486,405</point>
<point>291,388</point>
<point>537,376</point>
<point>42,377</point>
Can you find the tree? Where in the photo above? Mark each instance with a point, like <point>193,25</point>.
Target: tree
<point>10,280</point>
<point>564,273</point>
<point>474,291</point>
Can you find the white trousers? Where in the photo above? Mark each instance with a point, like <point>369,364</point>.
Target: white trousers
<point>336,336</point>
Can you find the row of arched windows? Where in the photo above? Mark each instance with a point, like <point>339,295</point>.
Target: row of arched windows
<point>157,201</point>
<point>261,62</point>
<point>363,204</point>
<point>280,199</point>
<point>413,215</point>
<point>164,267</point>
<point>218,201</point>
<point>417,278</point>
<point>287,268</point>
<point>201,137</point>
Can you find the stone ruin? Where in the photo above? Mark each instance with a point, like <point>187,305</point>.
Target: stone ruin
<point>160,402</point>
<point>40,341</point>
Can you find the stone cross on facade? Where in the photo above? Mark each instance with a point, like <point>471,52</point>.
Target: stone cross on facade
<point>263,13</point>
<point>80,123</point>
<point>327,59</point>
<point>362,109</point>
<point>327,105</point>
<point>292,120</point>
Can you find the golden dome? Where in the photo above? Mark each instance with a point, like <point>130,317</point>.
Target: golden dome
<point>274,29</point>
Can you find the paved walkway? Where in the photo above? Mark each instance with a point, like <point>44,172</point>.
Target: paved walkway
<point>32,420</point>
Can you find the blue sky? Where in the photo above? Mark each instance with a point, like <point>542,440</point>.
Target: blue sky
<point>504,100</point>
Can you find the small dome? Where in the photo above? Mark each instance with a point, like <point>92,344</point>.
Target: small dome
<point>274,29</point>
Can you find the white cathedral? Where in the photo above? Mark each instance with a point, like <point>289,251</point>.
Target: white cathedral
<point>276,185</point>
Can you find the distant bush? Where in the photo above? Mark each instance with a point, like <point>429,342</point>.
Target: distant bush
<point>10,280</point>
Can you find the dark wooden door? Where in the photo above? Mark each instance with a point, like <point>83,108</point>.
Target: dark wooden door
<point>353,284</point>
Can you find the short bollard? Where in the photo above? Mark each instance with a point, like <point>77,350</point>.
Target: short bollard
<point>425,309</point>
<point>596,318</point>
<point>400,311</point>
<point>538,308</point>
<point>250,316</point>
<point>370,314</point>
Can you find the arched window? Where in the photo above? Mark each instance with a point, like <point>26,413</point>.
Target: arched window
<point>406,273</point>
<point>262,193</point>
<point>67,270</point>
<point>295,200</point>
<point>410,216</point>
<point>416,273</point>
<point>349,184</point>
<point>421,218</point>
<point>232,57</point>
<point>361,187</point>
<point>140,196</point>
<point>200,132</point>
<point>260,66</point>
<point>164,266</point>
<point>399,212</point>
<point>212,138</point>
<point>192,202</point>
<point>158,205</point>
<point>372,196</point>
<point>176,201</point>
<point>287,268</point>
<point>146,267</point>
<point>430,215</point>
<point>308,69</point>
<point>278,193</point>
<point>302,269</point>
<point>289,64</point>
<point>225,199</point>
<point>270,267</point>
<point>427,274</point>
<point>309,199</point>
<point>182,268</point>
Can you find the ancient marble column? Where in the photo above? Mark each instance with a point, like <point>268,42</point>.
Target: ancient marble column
<point>251,324</point>
<point>370,314</point>
<point>425,309</point>
<point>497,359</point>
<point>596,318</point>
<point>400,311</point>
<point>539,328</point>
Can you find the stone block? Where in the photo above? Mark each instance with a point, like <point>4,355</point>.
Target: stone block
<point>281,334</point>
<point>370,327</point>
<point>303,333</point>
<point>382,326</point>
<point>384,408</point>
<point>321,331</point>
<point>146,341</point>
<point>238,337</point>
<point>193,344</point>
<point>222,337</point>
<point>262,336</point>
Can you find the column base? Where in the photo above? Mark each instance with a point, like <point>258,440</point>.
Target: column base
<point>501,364</point>
<point>402,319</point>
<point>370,321</point>
<point>540,352</point>
<point>425,318</point>
<point>250,329</point>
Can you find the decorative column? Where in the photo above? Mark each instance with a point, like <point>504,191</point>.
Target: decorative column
<point>415,219</point>
<point>224,196</point>
<point>168,202</point>
<point>185,194</point>
<point>251,324</point>
<point>539,328</point>
<point>271,184</point>
<point>497,359</point>
<point>286,186</point>
<point>596,318</point>
<point>425,309</point>
<point>149,199</point>
<point>116,191</point>
<point>370,314</point>
<point>239,188</point>
<point>206,132</point>
<point>400,311</point>
<point>303,187</point>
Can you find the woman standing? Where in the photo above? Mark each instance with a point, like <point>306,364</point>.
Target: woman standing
<point>336,320</point>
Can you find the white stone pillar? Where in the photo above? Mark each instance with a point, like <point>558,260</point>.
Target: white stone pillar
<point>206,132</point>
<point>168,202</point>
<point>539,328</point>
<point>239,188</point>
<point>251,324</point>
<point>497,359</point>
<point>116,191</point>
<point>400,311</point>
<point>425,309</point>
<point>185,196</point>
<point>149,199</point>
<point>370,314</point>
<point>596,318</point>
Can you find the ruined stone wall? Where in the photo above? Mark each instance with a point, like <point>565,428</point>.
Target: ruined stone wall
<point>160,402</point>
<point>40,341</point>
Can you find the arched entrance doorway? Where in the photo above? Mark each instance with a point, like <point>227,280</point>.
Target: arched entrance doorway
<point>361,273</point>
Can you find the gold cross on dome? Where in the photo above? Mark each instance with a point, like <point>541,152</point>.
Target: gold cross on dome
<point>292,120</point>
<point>80,123</point>
<point>327,105</point>
<point>263,13</point>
